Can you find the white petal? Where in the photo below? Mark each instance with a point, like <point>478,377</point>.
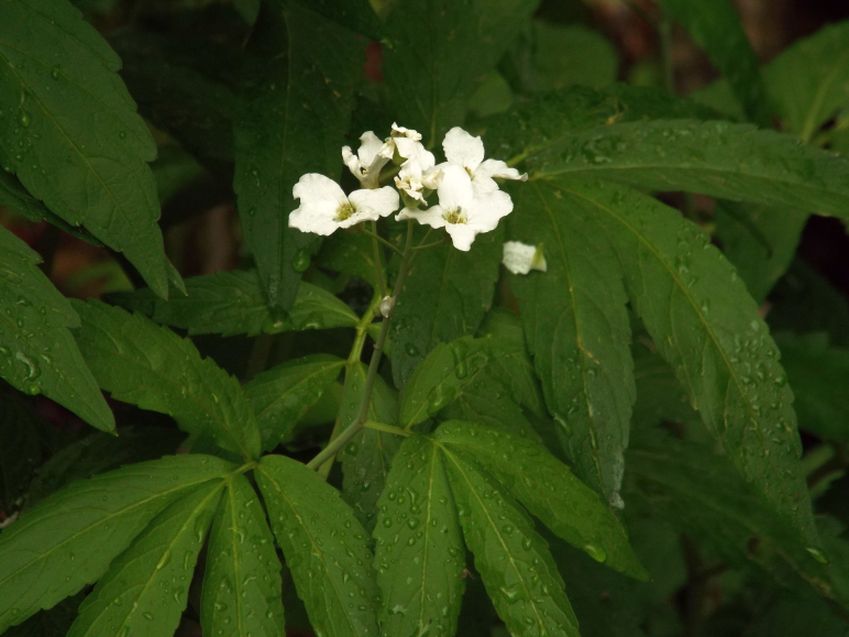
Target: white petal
<point>521,258</point>
<point>432,177</point>
<point>486,211</point>
<point>497,169</point>
<point>431,217</point>
<point>314,188</point>
<point>351,161</point>
<point>411,185</point>
<point>370,147</point>
<point>317,218</point>
<point>463,149</point>
<point>455,190</point>
<point>462,235</point>
<point>402,131</point>
<point>380,202</point>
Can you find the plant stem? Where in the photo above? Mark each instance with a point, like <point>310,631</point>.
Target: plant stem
<point>390,429</point>
<point>337,442</point>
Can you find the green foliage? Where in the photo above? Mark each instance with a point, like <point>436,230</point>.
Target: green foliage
<point>37,351</point>
<point>56,136</point>
<point>408,437</point>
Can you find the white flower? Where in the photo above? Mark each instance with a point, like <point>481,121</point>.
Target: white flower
<point>325,208</point>
<point>464,150</point>
<point>462,211</point>
<point>521,258</point>
<point>371,157</point>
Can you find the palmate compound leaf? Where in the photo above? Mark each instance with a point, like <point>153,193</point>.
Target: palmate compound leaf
<point>69,120</point>
<point>230,303</point>
<point>440,51</point>
<point>38,354</point>
<point>731,161</point>
<point>577,329</point>
<point>547,489</point>
<point>150,366</point>
<point>515,563</point>
<point>441,377</point>
<point>145,590</point>
<point>705,324</point>
<point>69,539</point>
<point>419,552</point>
<point>282,395</point>
<point>241,586</point>
<point>296,106</point>
<point>324,545</point>
<point>446,296</point>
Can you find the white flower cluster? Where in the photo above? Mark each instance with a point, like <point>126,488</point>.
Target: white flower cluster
<point>468,198</point>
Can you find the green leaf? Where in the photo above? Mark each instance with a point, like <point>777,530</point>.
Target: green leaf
<point>324,545</point>
<point>365,460</point>
<point>295,112</point>
<point>760,241</point>
<point>714,506</point>
<point>792,615</point>
<point>441,377</point>
<point>707,327</point>
<point>282,395</point>
<point>732,161</point>
<point>554,56</point>
<point>70,538</point>
<point>517,569</point>
<point>809,81</point>
<point>419,552</point>
<point>230,303</point>
<point>241,585</point>
<point>70,121</point>
<point>429,40</point>
<point>15,197</point>
<point>548,489</point>
<point>142,363</point>
<point>577,329</point>
<point>20,451</point>
<point>716,26</point>
<point>357,15</point>
<point>37,351</point>
<point>145,590</point>
<point>446,296</point>
<point>818,373</point>
<point>356,254</point>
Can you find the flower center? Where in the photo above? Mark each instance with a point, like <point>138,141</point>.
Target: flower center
<point>455,215</point>
<point>345,210</point>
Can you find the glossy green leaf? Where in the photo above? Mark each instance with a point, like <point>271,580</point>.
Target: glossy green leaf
<point>37,351</point>
<point>419,552</point>
<point>280,396</point>
<point>732,161</point>
<point>760,241</point>
<point>429,40</point>
<point>553,56</point>
<point>324,545</point>
<point>548,489</point>
<point>241,585</point>
<point>296,107</point>
<point>146,588</point>
<point>809,81</point>
<point>355,254</point>
<point>707,327</point>
<point>16,198</point>
<point>366,459</point>
<point>230,303</point>
<point>514,562</point>
<point>150,366</point>
<point>70,121</point>
<point>818,373</point>
<point>441,376</point>
<point>716,26</point>
<point>446,296</point>
<point>70,538</point>
<point>577,328</point>
<point>716,507</point>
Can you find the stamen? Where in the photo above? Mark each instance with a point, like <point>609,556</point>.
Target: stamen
<point>345,210</point>
<point>455,215</point>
